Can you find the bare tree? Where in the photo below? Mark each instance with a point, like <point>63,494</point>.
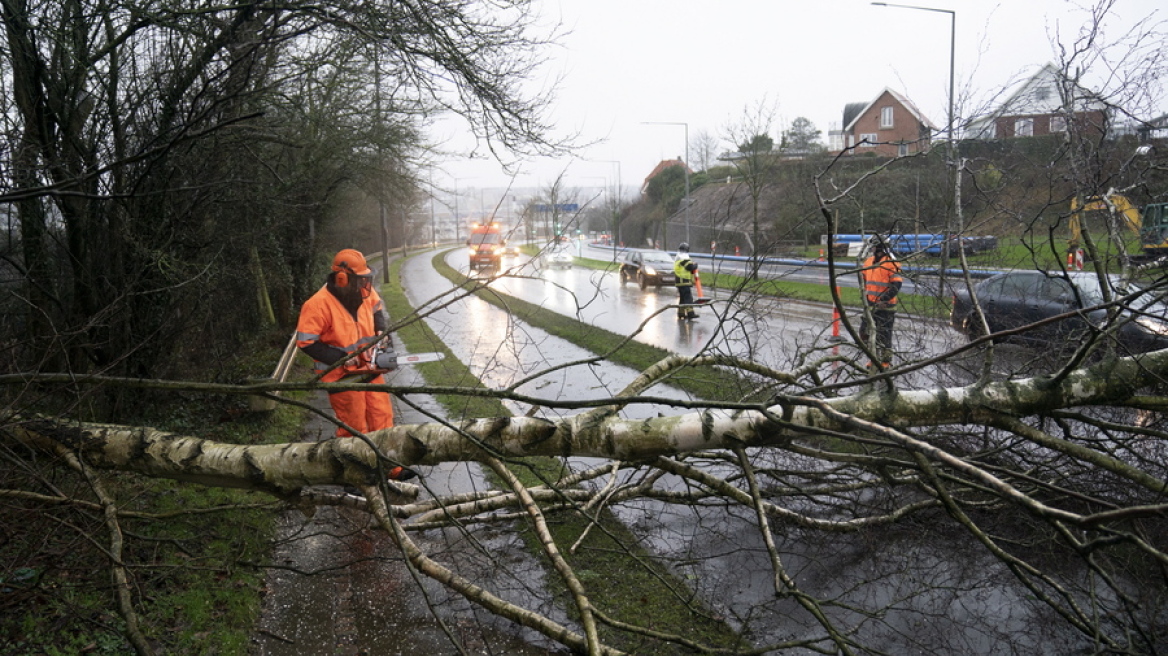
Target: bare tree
<point>704,149</point>
<point>154,148</point>
<point>980,496</point>
<point>755,159</point>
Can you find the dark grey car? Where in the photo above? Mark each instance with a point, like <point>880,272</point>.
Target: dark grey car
<point>647,268</point>
<point>1016,299</point>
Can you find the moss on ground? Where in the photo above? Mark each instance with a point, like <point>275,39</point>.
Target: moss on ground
<point>194,553</point>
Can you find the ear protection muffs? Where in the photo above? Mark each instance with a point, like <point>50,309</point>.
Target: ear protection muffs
<point>349,262</point>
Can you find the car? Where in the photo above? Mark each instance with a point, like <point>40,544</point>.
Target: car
<point>647,268</point>
<point>510,250</point>
<point>1015,299</point>
<point>559,256</point>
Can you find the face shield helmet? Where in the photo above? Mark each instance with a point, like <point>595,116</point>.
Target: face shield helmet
<point>350,268</point>
<point>365,284</point>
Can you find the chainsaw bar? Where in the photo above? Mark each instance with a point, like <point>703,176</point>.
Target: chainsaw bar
<point>417,358</point>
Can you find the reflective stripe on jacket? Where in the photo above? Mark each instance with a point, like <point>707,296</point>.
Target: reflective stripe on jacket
<point>324,319</point>
<point>879,278</point>
<point>684,268</point>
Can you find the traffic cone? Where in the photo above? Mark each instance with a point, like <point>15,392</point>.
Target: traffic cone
<point>835,322</point>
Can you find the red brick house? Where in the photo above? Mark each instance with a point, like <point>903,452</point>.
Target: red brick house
<point>664,164</point>
<point>1046,103</point>
<point>889,126</point>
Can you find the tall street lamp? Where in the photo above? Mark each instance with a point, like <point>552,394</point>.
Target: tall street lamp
<point>457,219</point>
<point>951,142</point>
<point>615,200</point>
<point>433,223</point>
<point>685,170</point>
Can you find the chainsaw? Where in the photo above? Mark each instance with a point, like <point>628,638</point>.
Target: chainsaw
<point>382,359</point>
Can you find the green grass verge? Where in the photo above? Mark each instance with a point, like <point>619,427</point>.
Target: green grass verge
<point>191,550</point>
<point>620,577</point>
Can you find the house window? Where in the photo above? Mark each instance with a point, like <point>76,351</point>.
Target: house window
<point>902,150</point>
<point>1024,127</point>
<point>1058,123</point>
<point>1042,93</point>
<point>885,118</point>
<point>867,140</point>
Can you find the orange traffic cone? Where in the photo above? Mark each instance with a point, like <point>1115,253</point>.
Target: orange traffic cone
<point>835,322</point>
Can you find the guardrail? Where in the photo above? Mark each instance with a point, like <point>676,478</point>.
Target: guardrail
<point>910,270</point>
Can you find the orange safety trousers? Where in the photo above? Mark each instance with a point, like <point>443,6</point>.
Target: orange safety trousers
<point>364,411</point>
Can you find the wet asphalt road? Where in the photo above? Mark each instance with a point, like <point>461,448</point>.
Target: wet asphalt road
<point>347,590</point>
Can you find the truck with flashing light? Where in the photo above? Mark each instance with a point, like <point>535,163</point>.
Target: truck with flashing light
<point>486,244</point>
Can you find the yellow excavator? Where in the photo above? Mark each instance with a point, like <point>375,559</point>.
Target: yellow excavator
<point>1150,224</point>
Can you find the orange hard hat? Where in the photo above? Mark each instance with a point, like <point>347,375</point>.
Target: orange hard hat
<point>352,261</point>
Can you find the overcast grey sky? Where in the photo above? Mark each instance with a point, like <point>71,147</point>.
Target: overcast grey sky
<point>627,62</point>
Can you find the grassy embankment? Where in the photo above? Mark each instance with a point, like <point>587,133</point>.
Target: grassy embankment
<point>191,550</point>
<point>620,577</point>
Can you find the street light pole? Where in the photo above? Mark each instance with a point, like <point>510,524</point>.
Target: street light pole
<point>951,141</point>
<point>457,234</point>
<point>433,224</point>
<point>952,53</point>
<point>685,170</point>
<point>616,201</point>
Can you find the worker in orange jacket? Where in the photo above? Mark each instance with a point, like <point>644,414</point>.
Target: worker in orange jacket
<point>882,281</point>
<point>342,317</point>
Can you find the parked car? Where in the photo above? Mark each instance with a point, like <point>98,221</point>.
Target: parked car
<point>1021,298</point>
<point>559,256</point>
<point>647,268</point>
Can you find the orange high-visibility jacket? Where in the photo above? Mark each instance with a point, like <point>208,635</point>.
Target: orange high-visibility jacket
<point>323,319</point>
<point>879,278</point>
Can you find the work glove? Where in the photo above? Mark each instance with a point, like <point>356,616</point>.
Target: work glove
<point>386,358</point>
<point>358,363</point>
